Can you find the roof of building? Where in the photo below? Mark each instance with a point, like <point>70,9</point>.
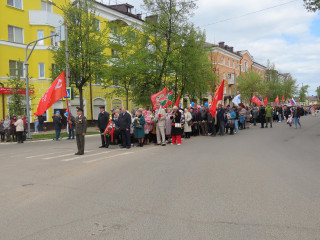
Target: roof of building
<point>312,98</point>
<point>122,8</point>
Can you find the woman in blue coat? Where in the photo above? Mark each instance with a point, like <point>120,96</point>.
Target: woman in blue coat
<point>231,116</point>
<point>138,124</point>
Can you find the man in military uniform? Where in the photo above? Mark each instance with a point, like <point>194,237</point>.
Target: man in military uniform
<point>81,129</point>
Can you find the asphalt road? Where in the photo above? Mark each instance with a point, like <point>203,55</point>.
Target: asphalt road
<point>258,184</point>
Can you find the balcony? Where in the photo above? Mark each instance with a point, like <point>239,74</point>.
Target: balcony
<point>231,79</point>
<point>45,18</point>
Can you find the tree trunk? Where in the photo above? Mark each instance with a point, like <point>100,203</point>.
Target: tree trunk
<point>91,108</point>
<point>127,99</point>
<point>81,97</point>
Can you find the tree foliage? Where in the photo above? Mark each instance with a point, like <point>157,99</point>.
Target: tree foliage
<point>318,92</point>
<point>279,84</point>
<point>165,31</point>
<point>303,93</point>
<point>312,5</point>
<point>126,60</point>
<point>86,46</point>
<point>251,83</point>
<point>17,104</point>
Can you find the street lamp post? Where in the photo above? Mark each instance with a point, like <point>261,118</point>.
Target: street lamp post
<point>27,78</point>
<point>66,42</point>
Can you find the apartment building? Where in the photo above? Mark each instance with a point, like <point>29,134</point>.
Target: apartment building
<point>229,64</point>
<point>23,21</point>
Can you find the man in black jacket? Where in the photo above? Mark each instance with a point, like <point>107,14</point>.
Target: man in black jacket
<point>220,119</point>
<point>262,115</point>
<point>125,124</point>
<point>103,120</point>
<point>57,125</point>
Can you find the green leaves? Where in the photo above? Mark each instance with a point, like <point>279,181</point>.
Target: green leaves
<point>312,5</point>
<point>251,83</point>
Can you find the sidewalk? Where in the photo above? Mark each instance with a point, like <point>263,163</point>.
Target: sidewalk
<point>64,130</point>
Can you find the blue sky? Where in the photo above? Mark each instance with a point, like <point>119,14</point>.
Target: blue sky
<point>288,35</point>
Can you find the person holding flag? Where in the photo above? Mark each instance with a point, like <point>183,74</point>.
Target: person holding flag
<point>160,119</point>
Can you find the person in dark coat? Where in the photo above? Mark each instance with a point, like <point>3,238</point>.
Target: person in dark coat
<point>57,124</point>
<point>177,129</point>
<point>41,122</point>
<point>204,121</point>
<point>103,120</point>
<point>71,125</point>
<point>262,115</point>
<point>211,125</point>
<point>138,123</point>
<point>221,119</point>
<point>125,124</point>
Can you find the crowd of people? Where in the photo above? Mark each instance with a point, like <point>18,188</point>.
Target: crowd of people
<point>163,126</point>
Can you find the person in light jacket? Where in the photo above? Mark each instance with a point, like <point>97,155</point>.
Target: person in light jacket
<point>160,118</point>
<point>19,124</point>
<point>188,123</point>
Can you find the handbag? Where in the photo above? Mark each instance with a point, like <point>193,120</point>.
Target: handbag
<point>177,125</point>
<point>190,123</point>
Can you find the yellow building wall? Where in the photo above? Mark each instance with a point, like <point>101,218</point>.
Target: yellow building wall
<point>20,18</point>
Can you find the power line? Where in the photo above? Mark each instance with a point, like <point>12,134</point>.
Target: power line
<point>249,13</point>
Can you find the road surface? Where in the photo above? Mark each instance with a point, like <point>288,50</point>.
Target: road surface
<point>258,184</point>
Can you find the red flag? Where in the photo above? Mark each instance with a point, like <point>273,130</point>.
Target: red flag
<point>56,91</point>
<point>177,101</point>
<point>265,101</point>
<point>155,98</point>
<point>256,100</point>
<point>282,98</point>
<point>277,99</point>
<point>218,96</point>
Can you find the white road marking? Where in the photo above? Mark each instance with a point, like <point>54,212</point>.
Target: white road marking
<point>71,159</point>
<point>64,155</point>
<point>99,159</point>
<point>41,155</point>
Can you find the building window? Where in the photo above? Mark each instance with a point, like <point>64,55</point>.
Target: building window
<point>245,66</point>
<point>223,61</point>
<point>41,70</point>
<point>228,62</point>
<point>115,80</point>
<point>15,34</point>
<point>16,68</point>
<point>45,6</point>
<point>115,53</point>
<point>40,35</point>
<point>224,90</point>
<point>233,65</point>
<point>15,3</point>
<point>224,75</point>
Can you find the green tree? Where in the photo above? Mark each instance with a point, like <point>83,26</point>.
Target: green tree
<point>289,86</point>
<point>17,104</point>
<point>273,83</point>
<point>164,28</point>
<point>126,61</point>
<point>86,45</point>
<point>318,91</point>
<point>251,83</point>
<point>312,5</point>
<point>191,65</point>
<point>303,93</point>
